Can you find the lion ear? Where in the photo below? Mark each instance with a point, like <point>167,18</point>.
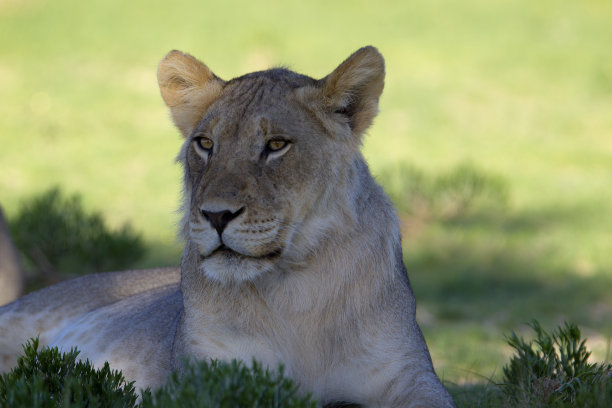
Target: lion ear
<point>353,89</point>
<point>188,87</point>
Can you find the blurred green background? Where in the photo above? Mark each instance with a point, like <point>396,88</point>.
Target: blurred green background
<point>494,138</point>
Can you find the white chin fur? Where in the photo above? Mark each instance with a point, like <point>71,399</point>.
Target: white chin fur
<point>235,269</point>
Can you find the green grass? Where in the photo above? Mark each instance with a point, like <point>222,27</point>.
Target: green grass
<point>521,90</point>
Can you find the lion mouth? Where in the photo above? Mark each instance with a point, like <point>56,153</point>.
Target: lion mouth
<point>223,249</point>
<point>227,252</point>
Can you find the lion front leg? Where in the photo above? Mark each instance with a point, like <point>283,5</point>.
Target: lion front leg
<point>422,390</point>
<point>397,371</point>
<point>414,386</point>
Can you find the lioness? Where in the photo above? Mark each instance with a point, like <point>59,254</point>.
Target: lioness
<point>292,251</point>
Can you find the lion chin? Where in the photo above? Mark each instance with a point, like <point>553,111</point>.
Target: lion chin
<point>227,266</point>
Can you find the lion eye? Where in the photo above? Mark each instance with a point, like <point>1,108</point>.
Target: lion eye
<point>276,145</point>
<point>203,143</point>
<point>275,148</point>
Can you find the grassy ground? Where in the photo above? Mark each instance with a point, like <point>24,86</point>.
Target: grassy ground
<point>522,90</point>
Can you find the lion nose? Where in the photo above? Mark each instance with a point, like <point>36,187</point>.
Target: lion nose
<point>220,219</point>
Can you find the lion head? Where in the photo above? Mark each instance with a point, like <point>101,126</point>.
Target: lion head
<point>268,158</point>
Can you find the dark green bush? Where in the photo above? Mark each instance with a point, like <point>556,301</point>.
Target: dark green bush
<point>57,238</point>
<point>550,371</point>
<point>227,385</point>
<point>553,371</point>
<point>47,378</point>
<point>461,191</point>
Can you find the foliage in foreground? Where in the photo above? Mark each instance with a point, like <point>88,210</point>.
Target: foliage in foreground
<point>46,378</point>
<point>57,237</point>
<point>227,385</point>
<point>553,370</point>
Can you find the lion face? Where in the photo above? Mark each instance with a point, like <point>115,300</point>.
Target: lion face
<point>264,156</point>
<point>247,166</point>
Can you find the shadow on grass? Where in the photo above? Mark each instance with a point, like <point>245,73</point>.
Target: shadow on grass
<point>503,270</point>
<point>476,395</point>
<point>477,277</point>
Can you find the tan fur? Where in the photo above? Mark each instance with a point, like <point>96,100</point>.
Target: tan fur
<point>11,272</point>
<point>188,87</point>
<point>292,254</point>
